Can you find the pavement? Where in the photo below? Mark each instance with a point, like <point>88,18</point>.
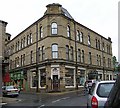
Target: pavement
<point>6,100</point>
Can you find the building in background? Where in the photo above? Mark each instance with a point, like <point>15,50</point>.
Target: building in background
<point>57,53</point>
<point>4,38</point>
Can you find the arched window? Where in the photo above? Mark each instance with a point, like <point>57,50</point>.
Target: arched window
<point>81,37</point>
<point>67,52</point>
<point>82,56</point>
<point>41,32</point>
<point>89,40</point>
<point>78,35</point>
<point>68,31</point>
<point>54,51</point>
<point>54,28</point>
<point>79,56</point>
<point>71,53</point>
<point>99,44</point>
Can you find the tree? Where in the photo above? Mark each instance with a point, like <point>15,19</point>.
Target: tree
<point>115,64</point>
<point>114,61</point>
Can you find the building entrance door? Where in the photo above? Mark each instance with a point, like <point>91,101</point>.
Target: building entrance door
<point>55,83</point>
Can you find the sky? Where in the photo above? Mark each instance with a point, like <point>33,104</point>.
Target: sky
<point>99,15</point>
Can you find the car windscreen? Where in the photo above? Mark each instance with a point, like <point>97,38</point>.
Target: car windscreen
<point>9,87</point>
<point>104,89</point>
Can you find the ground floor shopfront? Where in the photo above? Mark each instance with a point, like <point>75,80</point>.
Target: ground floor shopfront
<point>56,77</point>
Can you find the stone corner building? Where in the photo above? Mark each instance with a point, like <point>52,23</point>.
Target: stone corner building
<point>57,53</point>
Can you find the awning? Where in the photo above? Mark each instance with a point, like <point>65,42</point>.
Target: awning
<point>6,77</point>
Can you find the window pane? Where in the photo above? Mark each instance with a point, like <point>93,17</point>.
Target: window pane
<point>41,32</point>
<point>54,47</point>
<point>78,35</point>
<point>42,78</point>
<point>81,37</point>
<point>55,54</point>
<point>54,25</point>
<point>104,89</point>
<point>55,51</point>
<point>68,31</point>
<point>69,77</point>
<point>54,28</point>
<point>54,31</point>
<point>34,84</point>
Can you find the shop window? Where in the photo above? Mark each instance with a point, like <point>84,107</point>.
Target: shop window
<point>33,79</point>
<point>69,77</point>
<point>42,78</point>
<point>81,78</point>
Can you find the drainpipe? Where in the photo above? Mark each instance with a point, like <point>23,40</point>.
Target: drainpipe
<point>102,60</point>
<point>37,76</point>
<point>76,67</point>
<point>0,79</point>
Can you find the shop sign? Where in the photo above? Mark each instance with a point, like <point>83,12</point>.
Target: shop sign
<point>55,71</point>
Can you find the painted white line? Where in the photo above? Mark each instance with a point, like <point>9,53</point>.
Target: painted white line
<point>41,106</point>
<point>66,98</point>
<point>60,99</point>
<point>56,100</point>
<point>19,100</point>
<point>3,103</point>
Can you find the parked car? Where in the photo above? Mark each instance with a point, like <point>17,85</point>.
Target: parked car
<point>113,100</point>
<point>10,91</point>
<point>98,93</point>
<point>90,82</point>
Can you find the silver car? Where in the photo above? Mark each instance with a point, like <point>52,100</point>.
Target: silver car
<point>98,93</point>
<point>10,91</point>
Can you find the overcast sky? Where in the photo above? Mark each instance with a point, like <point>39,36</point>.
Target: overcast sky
<point>99,15</point>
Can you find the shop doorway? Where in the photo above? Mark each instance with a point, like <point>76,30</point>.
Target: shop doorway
<point>55,83</point>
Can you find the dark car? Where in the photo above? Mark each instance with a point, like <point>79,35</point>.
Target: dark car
<point>113,100</point>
